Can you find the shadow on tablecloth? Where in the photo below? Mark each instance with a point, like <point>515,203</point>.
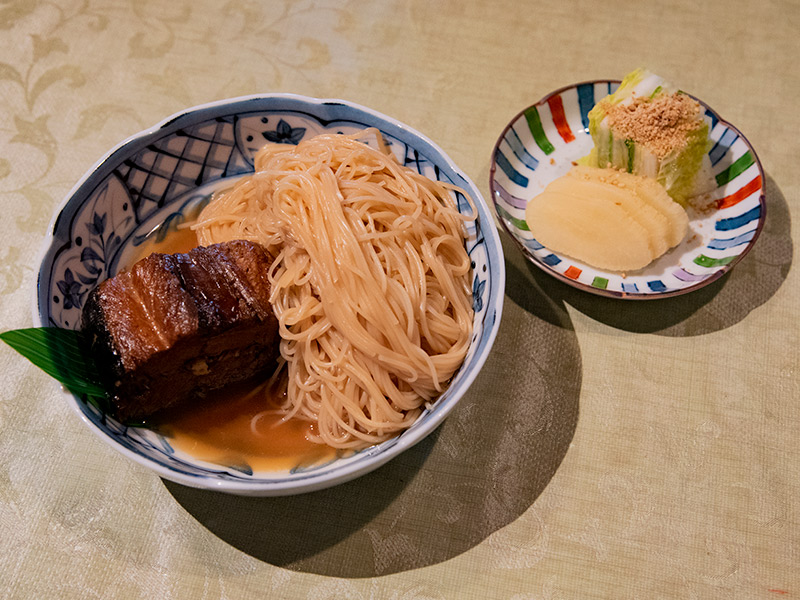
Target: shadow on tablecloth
<point>481,470</point>
<point>751,283</point>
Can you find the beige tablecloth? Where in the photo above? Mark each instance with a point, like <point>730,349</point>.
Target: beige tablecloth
<point>608,449</point>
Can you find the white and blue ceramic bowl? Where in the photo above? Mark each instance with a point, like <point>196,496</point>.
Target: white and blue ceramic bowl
<point>543,142</point>
<point>153,178</point>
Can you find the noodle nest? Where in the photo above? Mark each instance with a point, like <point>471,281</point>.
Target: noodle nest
<point>370,283</point>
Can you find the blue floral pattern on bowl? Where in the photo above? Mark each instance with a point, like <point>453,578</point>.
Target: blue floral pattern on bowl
<point>151,182</point>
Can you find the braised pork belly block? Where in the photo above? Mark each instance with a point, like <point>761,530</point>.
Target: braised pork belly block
<point>176,326</point>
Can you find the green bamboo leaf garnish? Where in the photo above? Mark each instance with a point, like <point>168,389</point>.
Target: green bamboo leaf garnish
<point>62,354</point>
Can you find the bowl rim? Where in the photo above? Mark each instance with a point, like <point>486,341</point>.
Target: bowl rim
<point>374,456</point>
<point>612,293</point>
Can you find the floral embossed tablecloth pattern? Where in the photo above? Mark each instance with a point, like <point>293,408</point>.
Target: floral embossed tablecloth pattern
<point>607,450</point>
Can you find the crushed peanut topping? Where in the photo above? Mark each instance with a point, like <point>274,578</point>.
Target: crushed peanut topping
<point>660,124</point>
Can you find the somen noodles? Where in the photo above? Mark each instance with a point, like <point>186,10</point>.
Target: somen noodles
<point>371,282</point>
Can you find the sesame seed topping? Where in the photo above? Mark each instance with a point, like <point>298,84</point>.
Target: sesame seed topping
<point>661,124</point>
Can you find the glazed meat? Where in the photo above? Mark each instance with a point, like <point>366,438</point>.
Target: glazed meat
<point>176,326</point>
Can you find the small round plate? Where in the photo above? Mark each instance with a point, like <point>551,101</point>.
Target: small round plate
<point>542,142</point>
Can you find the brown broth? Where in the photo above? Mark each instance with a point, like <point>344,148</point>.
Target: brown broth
<point>232,426</point>
<point>180,240</point>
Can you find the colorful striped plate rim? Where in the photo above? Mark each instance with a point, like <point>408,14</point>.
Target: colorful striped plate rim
<point>543,141</point>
